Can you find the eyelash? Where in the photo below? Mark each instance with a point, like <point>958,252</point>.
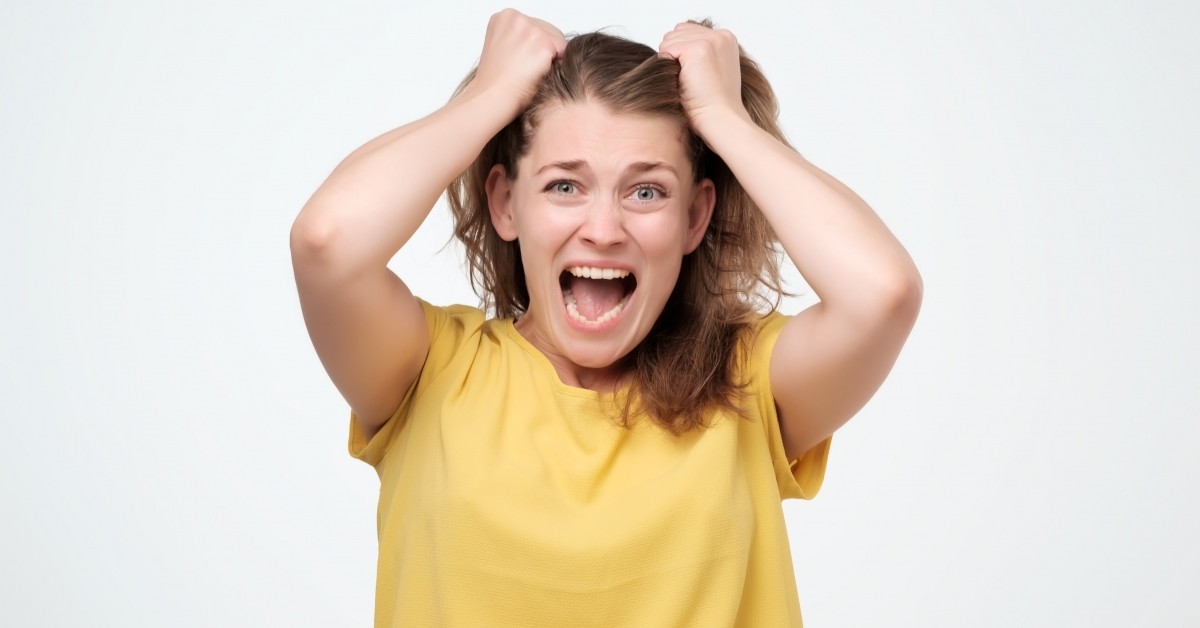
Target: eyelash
<point>553,187</point>
<point>662,192</point>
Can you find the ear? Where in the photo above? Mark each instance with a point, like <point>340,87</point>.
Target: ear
<point>499,197</point>
<point>699,213</point>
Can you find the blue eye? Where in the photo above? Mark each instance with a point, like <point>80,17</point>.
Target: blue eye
<point>561,187</point>
<point>647,193</point>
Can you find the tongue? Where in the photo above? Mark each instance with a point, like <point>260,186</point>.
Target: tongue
<point>594,297</point>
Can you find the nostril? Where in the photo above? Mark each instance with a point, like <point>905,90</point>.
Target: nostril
<point>603,226</point>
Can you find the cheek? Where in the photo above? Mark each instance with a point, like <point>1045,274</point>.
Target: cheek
<point>541,228</point>
<point>663,235</point>
<point>527,216</point>
<point>542,231</point>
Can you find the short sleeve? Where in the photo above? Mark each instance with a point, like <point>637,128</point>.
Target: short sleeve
<point>448,328</point>
<point>799,478</point>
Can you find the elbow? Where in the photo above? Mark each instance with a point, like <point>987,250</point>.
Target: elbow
<point>903,295</point>
<point>312,239</point>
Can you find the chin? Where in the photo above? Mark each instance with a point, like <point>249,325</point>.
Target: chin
<point>597,353</point>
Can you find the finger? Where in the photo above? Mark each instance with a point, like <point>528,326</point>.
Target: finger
<point>683,39</point>
<point>677,48</point>
<point>549,28</point>
<point>670,48</point>
<point>554,35</point>
<point>676,38</point>
<point>690,26</point>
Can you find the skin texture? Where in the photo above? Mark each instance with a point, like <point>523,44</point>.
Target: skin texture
<point>370,333</point>
<point>606,191</point>
<point>364,322</point>
<point>831,358</point>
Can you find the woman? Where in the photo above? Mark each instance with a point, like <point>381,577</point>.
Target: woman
<point>611,449</point>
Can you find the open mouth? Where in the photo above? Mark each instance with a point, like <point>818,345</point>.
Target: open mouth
<point>594,296</point>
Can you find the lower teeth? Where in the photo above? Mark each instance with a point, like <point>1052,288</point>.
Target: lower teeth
<point>573,310</point>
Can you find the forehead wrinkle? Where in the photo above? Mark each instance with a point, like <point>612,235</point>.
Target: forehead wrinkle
<point>585,137</point>
<point>572,165</point>
<point>648,166</point>
<point>569,165</point>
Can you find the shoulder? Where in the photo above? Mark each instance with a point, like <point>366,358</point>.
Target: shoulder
<point>439,317</point>
<point>451,323</point>
<point>798,476</point>
<point>459,331</point>
<point>454,340</point>
<point>758,342</point>
<point>754,362</point>
<point>451,327</point>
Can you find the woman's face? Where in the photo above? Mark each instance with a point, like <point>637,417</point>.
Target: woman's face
<point>604,207</point>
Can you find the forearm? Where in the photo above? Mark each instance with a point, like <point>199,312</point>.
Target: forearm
<point>378,196</point>
<point>841,247</point>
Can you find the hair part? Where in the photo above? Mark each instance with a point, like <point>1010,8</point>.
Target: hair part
<point>687,366</point>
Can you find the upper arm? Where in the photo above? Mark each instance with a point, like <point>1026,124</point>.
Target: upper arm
<point>367,327</point>
<point>826,366</point>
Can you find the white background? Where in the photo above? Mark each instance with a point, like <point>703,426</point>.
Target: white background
<point>174,455</point>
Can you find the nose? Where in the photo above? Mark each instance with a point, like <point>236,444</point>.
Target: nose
<point>603,225</point>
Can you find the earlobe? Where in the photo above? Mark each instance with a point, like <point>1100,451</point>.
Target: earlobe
<point>499,198</point>
<point>700,213</point>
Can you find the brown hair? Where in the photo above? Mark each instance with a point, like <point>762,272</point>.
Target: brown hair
<point>686,367</point>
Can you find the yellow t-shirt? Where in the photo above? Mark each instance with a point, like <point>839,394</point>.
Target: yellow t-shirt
<point>510,499</point>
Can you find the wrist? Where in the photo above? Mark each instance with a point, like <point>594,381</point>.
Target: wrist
<point>718,126</point>
<point>491,105</point>
<point>501,100</point>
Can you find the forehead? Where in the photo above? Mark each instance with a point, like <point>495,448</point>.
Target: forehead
<point>589,132</point>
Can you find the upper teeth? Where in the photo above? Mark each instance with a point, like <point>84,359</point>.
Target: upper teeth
<point>591,272</point>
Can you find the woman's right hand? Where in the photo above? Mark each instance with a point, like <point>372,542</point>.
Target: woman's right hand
<point>517,53</point>
<point>367,327</point>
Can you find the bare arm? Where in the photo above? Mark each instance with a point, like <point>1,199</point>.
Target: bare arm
<point>831,358</point>
<point>368,329</point>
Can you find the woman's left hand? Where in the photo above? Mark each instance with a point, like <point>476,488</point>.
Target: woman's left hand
<point>710,75</point>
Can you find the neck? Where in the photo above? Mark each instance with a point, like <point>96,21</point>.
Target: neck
<point>603,379</point>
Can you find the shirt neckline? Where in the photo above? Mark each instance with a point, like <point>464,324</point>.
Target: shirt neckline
<point>510,329</point>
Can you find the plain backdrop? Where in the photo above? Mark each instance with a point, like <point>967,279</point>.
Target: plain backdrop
<point>173,453</point>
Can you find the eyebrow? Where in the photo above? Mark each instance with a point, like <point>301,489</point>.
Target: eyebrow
<point>637,166</point>
<point>570,165</point>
